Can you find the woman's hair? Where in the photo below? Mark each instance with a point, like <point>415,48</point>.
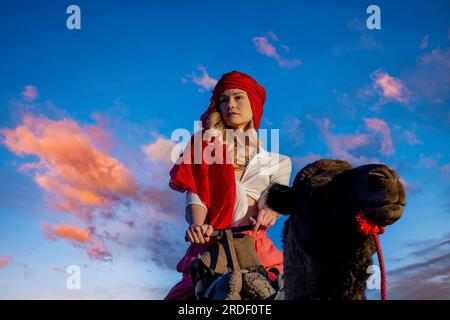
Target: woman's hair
<point>215,121</point>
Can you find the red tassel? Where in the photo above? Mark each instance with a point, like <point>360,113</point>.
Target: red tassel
<point>366,227</point>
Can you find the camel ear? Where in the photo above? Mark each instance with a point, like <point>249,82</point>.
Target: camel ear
<point>281,198</point>
<point>320,166</point>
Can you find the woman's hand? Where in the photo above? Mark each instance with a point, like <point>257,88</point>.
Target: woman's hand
<point>265,218</point>
<point>199,233</point>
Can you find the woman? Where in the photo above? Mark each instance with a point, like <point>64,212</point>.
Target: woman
<point>220,195</point>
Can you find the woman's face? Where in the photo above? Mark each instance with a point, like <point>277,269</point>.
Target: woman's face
<point>235,108</point>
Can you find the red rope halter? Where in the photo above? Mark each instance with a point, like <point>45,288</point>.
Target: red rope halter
<point>368,228</point>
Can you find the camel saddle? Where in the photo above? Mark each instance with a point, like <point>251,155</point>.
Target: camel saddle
<point>229,269</point>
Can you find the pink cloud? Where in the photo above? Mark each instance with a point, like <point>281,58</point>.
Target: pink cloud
<point>300,162</point>
<point>424,42</point>
<point>293,128</point>
<point>57,269</point>
<point>430,80</point>
<point>30,93</point>
<point>160,150</point>
<point>411,138</point>
<point>80,177</point>
<point>407,135</point>
<point>85,238</point>
<point>272,35</point>
<point>390,88</point>
<point>363,39</point>
<point>77,176</point>
<point>341,142</point>
<point>355,147</point>
<point>71,233</point>
<point>285,47</point>
<point>4,261</point>
<point>427,162</point>
<point>341,146</point>
<point>380,126</point>
<point>9,261</point>
<point>204,80</point>
<point>365,93</point>
<point>437,56</point>
<point>164,201</point>
<point>434,163</point>
<point>99,252</point>
<point>266,48</point>
<point>410,187</point>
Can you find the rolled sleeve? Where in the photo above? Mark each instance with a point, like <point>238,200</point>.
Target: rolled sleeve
<point>193,198</point>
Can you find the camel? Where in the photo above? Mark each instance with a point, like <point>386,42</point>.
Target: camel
<point>325,256</point>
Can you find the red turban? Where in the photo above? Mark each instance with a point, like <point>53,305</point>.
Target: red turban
<point>215,183</point>
<point>238,80</point>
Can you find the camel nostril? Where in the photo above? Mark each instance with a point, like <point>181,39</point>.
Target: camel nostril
<point>378,173</point>
<point>384,173</point>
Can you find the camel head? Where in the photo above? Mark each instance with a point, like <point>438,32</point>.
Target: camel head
<point>327,195</point>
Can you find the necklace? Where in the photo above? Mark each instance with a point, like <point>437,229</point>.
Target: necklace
<point>247,160</point>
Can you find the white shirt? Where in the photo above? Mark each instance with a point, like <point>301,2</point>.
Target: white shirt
<point>263,170</point>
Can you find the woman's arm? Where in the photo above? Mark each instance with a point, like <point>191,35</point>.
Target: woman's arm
<point>196,212</point>
<point>266,216</point>
<point>265,219</point>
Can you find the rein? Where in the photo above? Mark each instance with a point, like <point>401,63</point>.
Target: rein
<point>367,228</point>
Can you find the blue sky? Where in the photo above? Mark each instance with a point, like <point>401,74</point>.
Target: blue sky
<point>137,70</point>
